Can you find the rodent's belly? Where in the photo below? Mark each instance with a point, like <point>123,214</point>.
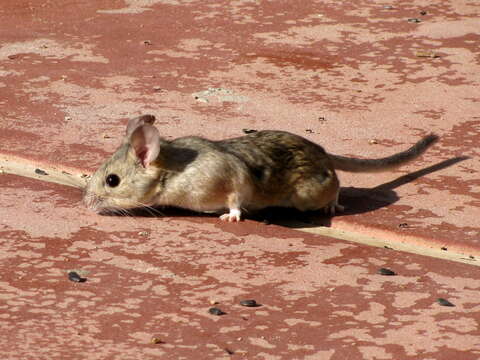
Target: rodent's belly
<point>193,203</point>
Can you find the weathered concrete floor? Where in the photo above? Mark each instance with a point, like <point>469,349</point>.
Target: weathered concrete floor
<point>358,78</point>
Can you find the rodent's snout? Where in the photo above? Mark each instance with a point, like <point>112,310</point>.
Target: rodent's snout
<point>92,201</point>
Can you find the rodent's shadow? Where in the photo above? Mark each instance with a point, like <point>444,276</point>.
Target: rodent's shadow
<point>355,201</point>
<point>361,200</point>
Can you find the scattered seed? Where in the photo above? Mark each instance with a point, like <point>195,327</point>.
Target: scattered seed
<point>214,302</point>
<point>143,233</point>
<point>216,311</point>
<point>147,42</point>
<point>414,20</point>
<point>403,225</point>
<point>444,302</point>
<point>423,13</point>
<point>386,272</point>
<point>249,303</point>
<point>249,131</point>
<point>156,340</point>
<point>373,141</point>
<point>73,276</point>
<point>322,119</point>
<point>426,54</point>
<point>310,131</point>
<point>40,172</point>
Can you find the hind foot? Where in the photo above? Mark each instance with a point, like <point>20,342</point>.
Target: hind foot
<point>331,209</point>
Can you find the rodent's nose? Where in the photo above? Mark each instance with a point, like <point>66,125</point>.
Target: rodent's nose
<point>91,201</point>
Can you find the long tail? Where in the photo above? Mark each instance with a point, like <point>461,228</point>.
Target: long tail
<point>386,163</point>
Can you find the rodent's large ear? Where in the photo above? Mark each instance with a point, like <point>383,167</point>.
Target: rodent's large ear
<point>139,121</point>
<point>145,141</point>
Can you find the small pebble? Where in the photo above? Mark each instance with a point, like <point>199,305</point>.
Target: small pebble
<point>157,88</point>
<point>403,225</point>
<point>249,131</point>
<point>423,13</point>
<point>156,340</point>
<point>216,311</point>
<point>444,248</point>
<point>444,302</point>
<point>310,131</point>
<point>229,352</point>
<point>40,172</point>
<point>249,303</point>
<point>386,272</point>
<point>143,233</point>
<point>73,276</point>
<point>147,42</point>
<point>414,20</point>
<point>372,141</point>
<point>388,7</point>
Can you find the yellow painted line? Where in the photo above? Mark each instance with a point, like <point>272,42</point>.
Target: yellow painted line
<point>384,243</point>
<point>18,166</point>
<point>71,177</point>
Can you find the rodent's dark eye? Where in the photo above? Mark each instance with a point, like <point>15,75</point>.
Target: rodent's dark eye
<point>112,180</point>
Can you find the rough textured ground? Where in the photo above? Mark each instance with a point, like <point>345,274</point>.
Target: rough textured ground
<point>156,278</point>
<point>360,78</point>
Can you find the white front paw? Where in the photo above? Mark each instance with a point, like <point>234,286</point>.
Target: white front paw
<point>232,216</point>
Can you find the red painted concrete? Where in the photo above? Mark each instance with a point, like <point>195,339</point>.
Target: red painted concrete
<point>150,277</point>
<point>341,74</point>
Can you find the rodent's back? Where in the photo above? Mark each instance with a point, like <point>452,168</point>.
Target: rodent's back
<point>277,159</point>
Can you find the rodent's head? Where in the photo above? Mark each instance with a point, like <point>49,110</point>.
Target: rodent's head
<point>129,178</point>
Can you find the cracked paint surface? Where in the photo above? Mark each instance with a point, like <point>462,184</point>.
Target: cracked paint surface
<point>157,277</point>
<point>340,74</point>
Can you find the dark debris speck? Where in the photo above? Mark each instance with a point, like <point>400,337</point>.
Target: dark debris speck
<point>40,172</point>
<point>386,272</point>
<point>73,276</point>
<point>249,303</point>
<point>216,311</point>
<point>444,302</point>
